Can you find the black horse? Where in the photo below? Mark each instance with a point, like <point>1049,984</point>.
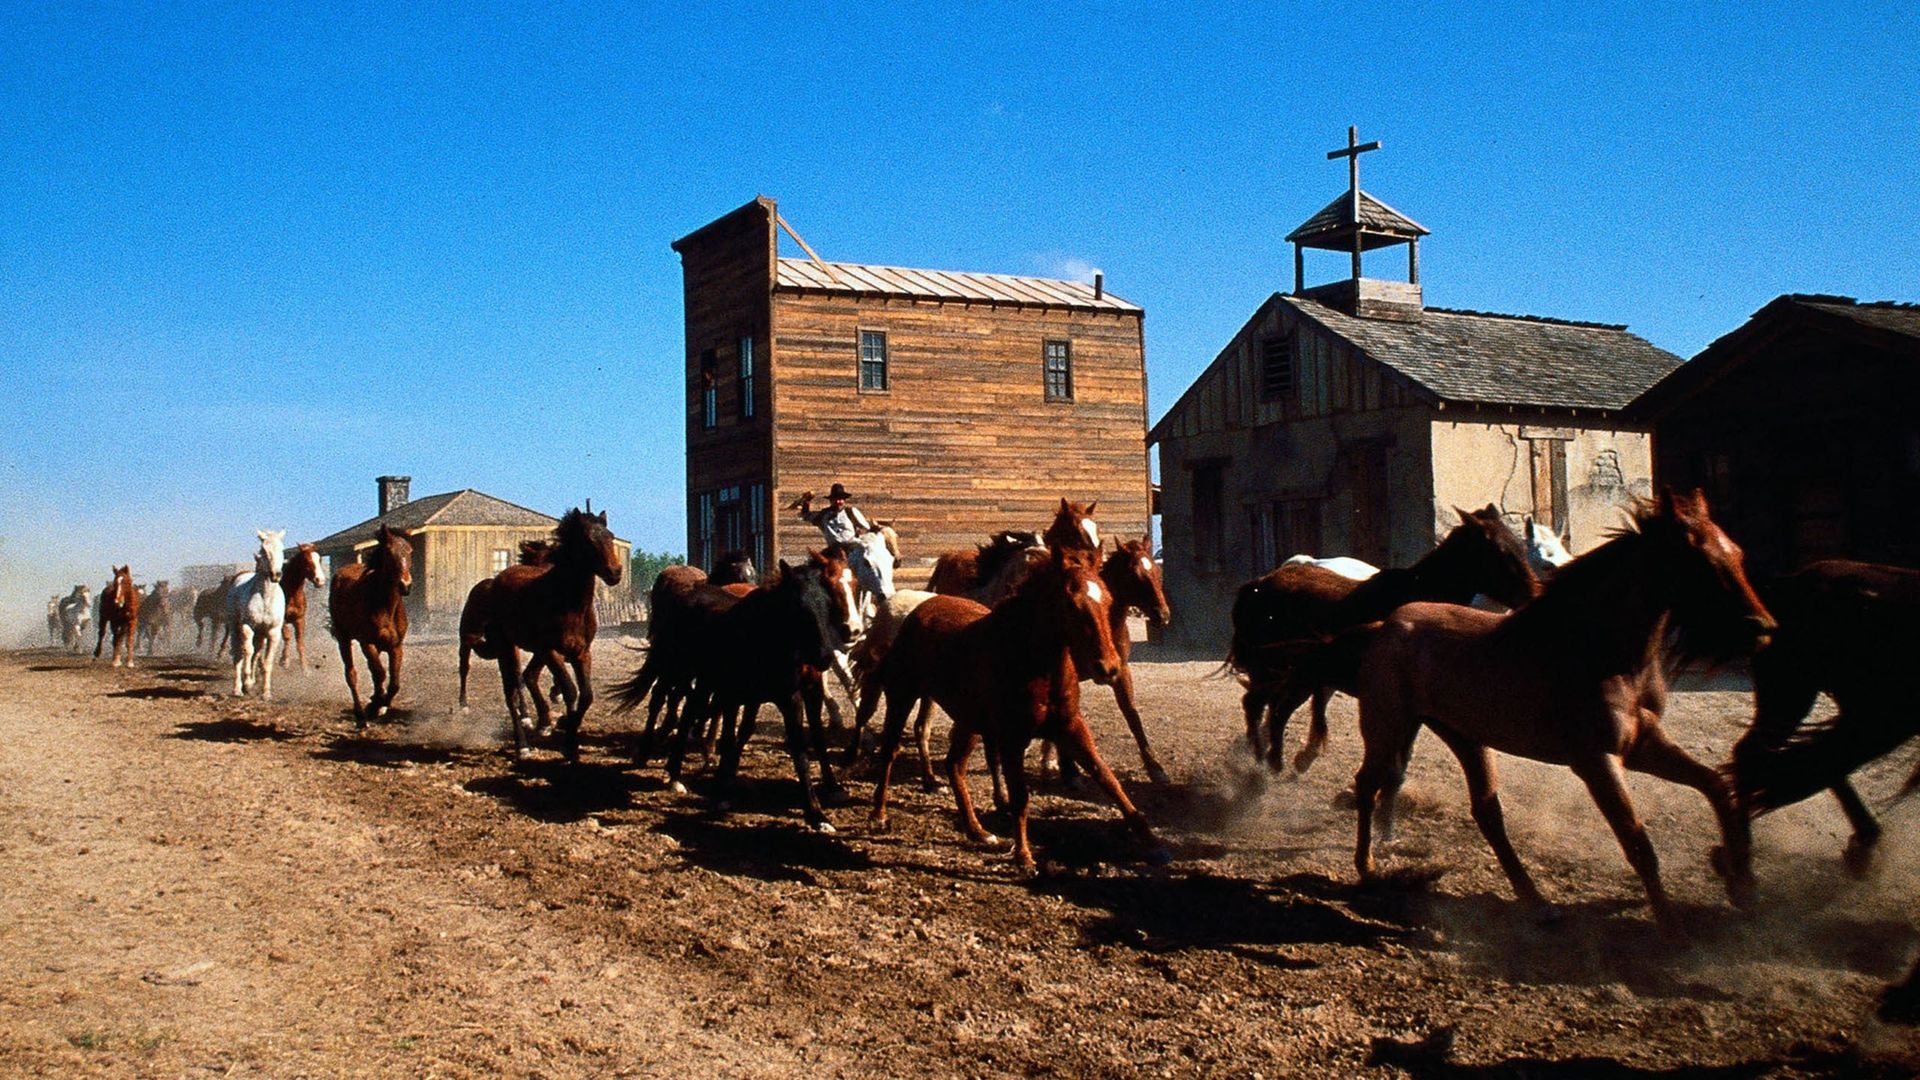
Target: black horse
<point>1851,630</point>
<point>767,647</point>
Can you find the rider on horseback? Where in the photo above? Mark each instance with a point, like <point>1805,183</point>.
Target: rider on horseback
<point>840,522</point>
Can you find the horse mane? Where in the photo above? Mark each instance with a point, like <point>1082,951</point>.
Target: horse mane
<point>1002,548</point>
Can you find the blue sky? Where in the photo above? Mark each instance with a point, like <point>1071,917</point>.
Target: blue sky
<point>251,257</point>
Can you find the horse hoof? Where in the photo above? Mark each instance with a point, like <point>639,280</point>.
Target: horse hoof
<point>933,787</point>
<point>677,788</point>
<point>521,753</point>
<point>1157,774</point>
<point>824,828</point>
<point>878,823</point>
<point>380,713</point>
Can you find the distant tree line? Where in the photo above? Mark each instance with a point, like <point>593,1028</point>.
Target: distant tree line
<point>647,566</point>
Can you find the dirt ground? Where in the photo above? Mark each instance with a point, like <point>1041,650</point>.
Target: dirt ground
<point>192,885</point>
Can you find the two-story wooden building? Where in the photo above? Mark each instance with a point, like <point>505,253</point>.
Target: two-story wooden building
<point>950,404</point>
<point>1800,426</point>
<point>1350,419</point>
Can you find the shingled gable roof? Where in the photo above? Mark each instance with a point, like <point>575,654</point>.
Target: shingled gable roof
<point>1337,217</point>
<point>1471,357</point>
<point>1892,324</point>
<point>464,507</point>
<point>837,277</point>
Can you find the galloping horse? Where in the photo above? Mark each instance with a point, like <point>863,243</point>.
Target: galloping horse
<point>680,605</point>
<point>303,568</point>
<point>1008,675</point>
<point>256,613</point>
<point>476,612</point>
<point>53,619</point>
<point>155,625</point>
<point>367,604</point>
<point>76,611</point>
<point>119,612</point>
<point>1575,678</point>
<point>1851,629</point>
<point>1296,602</point>
<point>548,611</point>
<point>209,610</point>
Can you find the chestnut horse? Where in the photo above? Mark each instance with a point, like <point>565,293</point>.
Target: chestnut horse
<point>367,604</point>
<point>303,568</point>
<point>1304,601</point>
<point>1007,675</point>
<point>120,613</point>
<point>971,573</point>
<point>548,611</point>
<point>1575,678</point>
<point>1851,630</point>
<point>473,622</point>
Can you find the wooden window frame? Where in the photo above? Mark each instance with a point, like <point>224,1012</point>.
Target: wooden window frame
<point>745,366</point>
<point>500,559</point>
<point>1288,389</point>
<point>861,361</point>
<point>1063,394</point>
<point>709,389</point>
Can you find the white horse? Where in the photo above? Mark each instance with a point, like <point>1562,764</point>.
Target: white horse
<point>1546,552</point>
<point>1345,566</point>
<point>256,610</point>
<point>76,614</point>
<point>871,558</point>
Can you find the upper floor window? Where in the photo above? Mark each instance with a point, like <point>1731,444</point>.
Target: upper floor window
<point>709,389</point>
<point>1058,365</point>
<point>1276,368</point>
<point>873,360</point>
<point>746,378</point>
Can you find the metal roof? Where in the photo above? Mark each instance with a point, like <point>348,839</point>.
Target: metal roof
<point>856,279</point>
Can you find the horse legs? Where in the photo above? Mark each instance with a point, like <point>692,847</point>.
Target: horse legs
<point>1866,830</point>
<point>1483,791</point>
<point>790,710</point>
<point>1282,702</point>
<point>813,699</point>
<point>1123,696</point>
<point>1317,734</point>
<point>376,704</point>
<point>1388,734</point>
<point>579,695</point>
<point>891,730</point>
<point>1607,783</point>
<point>1657,755</point>
<point>466,658</point>
<point>958,751</point>
<point>100,639</point>
<point>693,711</point>
<point>1254,704</point>
<point>1011,754</point>
<point>530,682</point>
<point>353,681</point>
<point>266,658</point>
<point>922,725</point>
<point>1075,739</point>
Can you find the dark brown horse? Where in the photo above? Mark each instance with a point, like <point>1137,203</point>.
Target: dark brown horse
<point>474,616</point>
<point>1007,675</point>
<point>303,567</point>
<point>367,603</point>
<point>210,613</point>
<point>680,605</point>
<point>969,573</point>
<point>1852,631</point>
<point>548,611</point>
<point>1575,678</point>
<point>1294,603</point>
<point>119,613</point>
<point>156,617</point>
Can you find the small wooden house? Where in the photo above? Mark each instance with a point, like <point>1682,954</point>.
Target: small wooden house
<point>458,538</point>
<point>1800,426</point>
<point>950,404</point>
<point>1351,419</point>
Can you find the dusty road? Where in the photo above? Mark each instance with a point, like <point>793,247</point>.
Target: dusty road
<point>193,886</point>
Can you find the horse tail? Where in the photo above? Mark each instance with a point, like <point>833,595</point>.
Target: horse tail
<point>629,693</point>
<point>1814,759</point>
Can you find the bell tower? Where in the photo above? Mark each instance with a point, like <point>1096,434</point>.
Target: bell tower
<point>1356,223</point>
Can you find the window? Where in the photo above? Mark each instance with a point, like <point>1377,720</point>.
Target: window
<point>709,389</point>
<point>703,529</point>
<point>746,378</point>
<point>1276,368</point>
<point>1058,362</point>
<point>1209,533</point>
<point>502,558</point>
<point>873,360</point>
<point>757,525</point>
<point>727,523</point>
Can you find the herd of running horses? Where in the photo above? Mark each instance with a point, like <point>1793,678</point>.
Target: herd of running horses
<point>1490,641</point>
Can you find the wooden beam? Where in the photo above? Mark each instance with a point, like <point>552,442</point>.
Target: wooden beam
<point>817,261</point>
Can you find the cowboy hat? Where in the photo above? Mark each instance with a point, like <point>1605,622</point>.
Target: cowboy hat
<point>837,492</point>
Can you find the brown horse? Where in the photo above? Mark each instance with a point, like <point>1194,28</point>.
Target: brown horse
<point>210,612</point>
<point>1293,603</point>
<point>548,611</point>
<point>120,613</point>
<point>1574,678</point>
<point>1852,631</point>
<point>367,604</point>
<point>302,568</point>
<point>1007,675</point>
<point>680,605</point>
<point>475,614</point>
<point>155,625</point>
<point>973,573</point>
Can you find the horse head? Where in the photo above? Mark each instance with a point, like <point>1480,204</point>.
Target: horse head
<point>838,576</point>
<point>1133,575</point>
<point>1074,597</point>
<point>585,536</point>
<point>1703,574</point>
<point>1073,527</point>
<point>1546,550</point>
<point>536,552</point>
<point>734,567</point>
<point>1487,558</point>
<point>271,560</point>
<point>392,547</point>
<point>871,558</point>
<point>120,588</point>
<point>816,630</point>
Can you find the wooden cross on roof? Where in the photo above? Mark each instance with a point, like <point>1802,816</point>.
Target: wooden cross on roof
<point>1352,152</point>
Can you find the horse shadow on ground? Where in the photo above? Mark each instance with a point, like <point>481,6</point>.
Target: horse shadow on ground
<point>157,693</point>
<point>357,749</point>
<point>1426,1059</point>
<point>763,850</point>
<point>557,792</point>
<point>230,730</point>
<point>177,673</point>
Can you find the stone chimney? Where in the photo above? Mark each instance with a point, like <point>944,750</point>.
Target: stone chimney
<point>393,492</point>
